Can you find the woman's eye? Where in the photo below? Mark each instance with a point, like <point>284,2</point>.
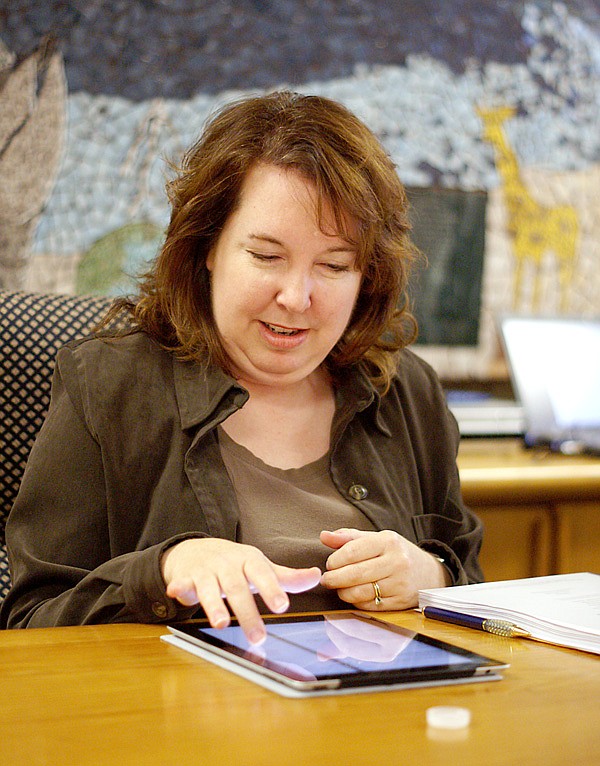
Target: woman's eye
<point>263,257</point>
<point>337,267</point>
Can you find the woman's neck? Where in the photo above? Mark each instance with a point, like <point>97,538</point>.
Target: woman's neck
<point>286,427</point>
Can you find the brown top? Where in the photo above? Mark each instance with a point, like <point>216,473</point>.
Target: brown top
<point>282,511</point>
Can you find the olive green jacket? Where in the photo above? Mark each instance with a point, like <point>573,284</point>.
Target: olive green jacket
<point>128,462</point>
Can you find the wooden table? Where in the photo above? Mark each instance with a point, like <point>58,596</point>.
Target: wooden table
<point>116,694</point>
<point>541,510</point>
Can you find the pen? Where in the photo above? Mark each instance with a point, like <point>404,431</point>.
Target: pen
<point>498,627</point>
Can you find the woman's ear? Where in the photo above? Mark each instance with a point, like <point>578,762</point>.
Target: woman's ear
<point>210,259</point>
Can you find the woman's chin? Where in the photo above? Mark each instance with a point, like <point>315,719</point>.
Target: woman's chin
<point>276,376</point>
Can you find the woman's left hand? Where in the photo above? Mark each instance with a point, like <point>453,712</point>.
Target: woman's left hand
<point>399,568</point>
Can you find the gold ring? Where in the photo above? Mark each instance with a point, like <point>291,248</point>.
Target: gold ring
<point>378,599</point>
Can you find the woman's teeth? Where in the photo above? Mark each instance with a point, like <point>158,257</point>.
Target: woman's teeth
<point>281,330</point>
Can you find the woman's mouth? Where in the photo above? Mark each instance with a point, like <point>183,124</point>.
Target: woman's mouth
<point>281,330</point>
<point>283,338</point>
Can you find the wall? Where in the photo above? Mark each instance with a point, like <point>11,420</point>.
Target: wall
<point>451,88</point>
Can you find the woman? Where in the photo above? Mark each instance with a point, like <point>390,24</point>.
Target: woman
<point>262,429</point>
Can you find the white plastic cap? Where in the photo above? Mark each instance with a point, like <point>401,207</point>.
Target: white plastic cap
<point>448,717</point>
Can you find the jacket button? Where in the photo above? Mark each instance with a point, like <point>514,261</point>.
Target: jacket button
<point>358,492</point>
<point>160,610</point>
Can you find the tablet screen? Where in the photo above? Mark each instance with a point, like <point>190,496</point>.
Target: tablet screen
<point>345,646</point>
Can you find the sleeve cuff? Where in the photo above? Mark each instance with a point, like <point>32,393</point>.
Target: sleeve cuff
<point>448,558</point>
<point>144,589</point>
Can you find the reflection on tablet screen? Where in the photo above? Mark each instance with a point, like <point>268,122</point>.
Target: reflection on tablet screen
<point>336,646</point>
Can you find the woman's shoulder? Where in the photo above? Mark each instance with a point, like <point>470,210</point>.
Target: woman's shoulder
<point>131,349</point>
<point>109,363</point>
<point>413,371</point>
<point>416,388</point>
<point>116,382</point>
<point>417,396</point>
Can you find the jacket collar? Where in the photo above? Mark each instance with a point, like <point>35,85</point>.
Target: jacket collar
<point>356,393</point>
<point>206,396</point>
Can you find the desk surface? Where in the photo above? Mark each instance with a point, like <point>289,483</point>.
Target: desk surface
<point>502,470</point>
<point>116,694</point>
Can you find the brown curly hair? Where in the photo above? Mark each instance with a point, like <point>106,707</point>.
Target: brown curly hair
<point>332,148</point>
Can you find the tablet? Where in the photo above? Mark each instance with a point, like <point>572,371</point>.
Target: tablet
<point>342,650</point>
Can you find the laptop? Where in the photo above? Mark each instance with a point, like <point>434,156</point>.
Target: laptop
<point>554,364</point>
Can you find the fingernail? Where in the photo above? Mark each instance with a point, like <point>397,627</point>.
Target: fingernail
<point>281,603</point>
<point>256,636</point>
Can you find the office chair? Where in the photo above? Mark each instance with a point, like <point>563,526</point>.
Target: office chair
<point>32,329</point>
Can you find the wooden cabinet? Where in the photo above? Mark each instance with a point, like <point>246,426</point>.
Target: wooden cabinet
<point>578,537</point>
<point>517,541</point>
<point>541,511</point>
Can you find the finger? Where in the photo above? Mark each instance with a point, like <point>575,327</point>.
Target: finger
<point>241,602</point>
<point>335,539</point>
<point>370,606</point>
<point>273,581</point>
<point>204,592</point>
<point>366,546</point>
<point>360,594</point>
<point>210,598</point>
<point>297,580</point>
<point>262,578</point>
<point>364,571</point>
<point>183,590</point>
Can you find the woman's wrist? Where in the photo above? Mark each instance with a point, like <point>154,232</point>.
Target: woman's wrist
<point>443,572</point>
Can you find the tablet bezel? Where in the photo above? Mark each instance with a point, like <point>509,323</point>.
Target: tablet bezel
<point>474,665</point>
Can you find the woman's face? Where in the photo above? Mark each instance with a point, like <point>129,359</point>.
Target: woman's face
<point>282,290</point>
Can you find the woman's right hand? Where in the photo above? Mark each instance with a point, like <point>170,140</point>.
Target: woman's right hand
<point>207,570</point>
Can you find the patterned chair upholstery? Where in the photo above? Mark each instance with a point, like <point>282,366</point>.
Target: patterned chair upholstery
<point>32,329</point>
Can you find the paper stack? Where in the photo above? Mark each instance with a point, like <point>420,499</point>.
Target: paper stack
<point>560,609</point>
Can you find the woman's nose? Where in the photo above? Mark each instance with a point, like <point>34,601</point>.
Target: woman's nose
<point>295,293</point>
